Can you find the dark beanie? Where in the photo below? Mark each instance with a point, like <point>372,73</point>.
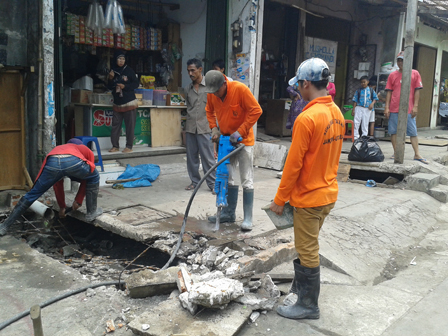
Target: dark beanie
<point>119,53</point>
<point>75,141</point>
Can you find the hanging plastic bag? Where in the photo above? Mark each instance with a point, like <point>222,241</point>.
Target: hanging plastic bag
<point>90,17</point>
<point>120,20</point>
<point>366,149</point>
<point>108,14</point>
<point>99,19</point>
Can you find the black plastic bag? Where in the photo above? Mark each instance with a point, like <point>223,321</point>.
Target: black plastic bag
<point>365,149</point>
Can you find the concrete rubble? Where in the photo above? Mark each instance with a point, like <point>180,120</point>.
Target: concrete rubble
<point>149,283</point>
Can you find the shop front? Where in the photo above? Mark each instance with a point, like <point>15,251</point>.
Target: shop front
<point>158,39</point>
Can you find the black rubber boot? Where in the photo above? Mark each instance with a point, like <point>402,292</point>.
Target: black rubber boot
<point>91,201</point>
<point>248,205</point>
<point>18,211</point>
<point>228,213</point>
<point>295,286</point>
<point>308,286</point>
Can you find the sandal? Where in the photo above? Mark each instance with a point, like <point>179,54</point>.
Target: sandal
<point>190,187</point>
<point>113,150</point>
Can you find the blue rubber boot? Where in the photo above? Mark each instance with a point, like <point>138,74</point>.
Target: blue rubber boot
<point>308,288</point>
<point>248,206</point>
<point>228,213</point>
<point>18,211</point>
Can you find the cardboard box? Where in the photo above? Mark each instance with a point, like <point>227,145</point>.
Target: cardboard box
<point>175,99</point>
<point>81,96</point>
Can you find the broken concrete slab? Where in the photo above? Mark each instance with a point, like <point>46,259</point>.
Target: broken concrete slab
<point>358,239</point>
<point>422,181</point>
<point>215,293</point>
<point>265,298</point>
<point>149,283</point>
<point>440,193</point>
<point>177,320</point>
<point>272,156</point>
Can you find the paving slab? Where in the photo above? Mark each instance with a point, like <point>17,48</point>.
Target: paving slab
<point>422,181</point>
<point>169,318</point>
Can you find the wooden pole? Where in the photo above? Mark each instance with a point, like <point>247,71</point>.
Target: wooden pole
<point>411,21</point>
<point>37,321</point>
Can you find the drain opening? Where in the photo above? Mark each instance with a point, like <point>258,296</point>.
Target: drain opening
<point>379,177</point>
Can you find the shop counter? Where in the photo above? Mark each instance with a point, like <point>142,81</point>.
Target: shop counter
<point>156,126</point>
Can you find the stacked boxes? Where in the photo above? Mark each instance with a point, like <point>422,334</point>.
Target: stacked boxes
<point>82,29</point>
<point>136,37</point>
<point>127,38</point>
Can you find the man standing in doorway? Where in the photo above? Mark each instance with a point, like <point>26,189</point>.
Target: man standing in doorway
<point>198,132</point>
<point>237,110</point>
<point>309,181</point>
<point>393,89</point>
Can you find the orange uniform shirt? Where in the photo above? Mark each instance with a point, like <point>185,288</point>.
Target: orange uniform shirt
<point>238,112</point>
<point>309,175</point>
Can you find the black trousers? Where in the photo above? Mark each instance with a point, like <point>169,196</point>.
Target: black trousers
<point>129,118</point>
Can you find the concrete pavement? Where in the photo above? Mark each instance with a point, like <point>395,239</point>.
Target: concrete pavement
<point>367,244</point>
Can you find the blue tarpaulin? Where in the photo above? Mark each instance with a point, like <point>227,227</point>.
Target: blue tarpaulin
<point>146,173</point>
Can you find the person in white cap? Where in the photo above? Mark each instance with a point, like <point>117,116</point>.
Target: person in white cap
<point>237,110</point>
<point>393,90</point>
<point>309,181</point>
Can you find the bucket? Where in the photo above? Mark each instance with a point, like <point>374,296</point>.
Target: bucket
<point>285,221</point>
<point>159,97</point>
<point>379,132</point>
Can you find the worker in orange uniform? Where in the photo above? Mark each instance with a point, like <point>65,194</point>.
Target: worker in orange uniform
<point>309,181</point>
<point>237,110</point>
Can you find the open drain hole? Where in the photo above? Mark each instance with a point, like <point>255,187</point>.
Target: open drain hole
<point>95,252</point>
<point>379,177</point>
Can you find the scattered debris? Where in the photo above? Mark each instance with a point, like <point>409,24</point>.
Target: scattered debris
<point>110,326</point>
<point>290,299</point>
<point>265,298</point>
<point>145,326</point>
<point>254,316</point>
<point>413,262</point>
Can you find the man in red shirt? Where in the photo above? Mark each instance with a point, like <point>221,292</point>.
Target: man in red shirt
<point>393,89</point>
<point>73,160</point>
<point>309,181</point>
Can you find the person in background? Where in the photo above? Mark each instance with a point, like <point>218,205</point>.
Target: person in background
<point>331,89</point>
<point>372,86</point>
<point>197,130</point>
<point>393,89</point>
<point>236,109</point>
<point>309,182</point>
<point>297,105</point>
<point>363,102</point>
<point>220,66</point>
<point>73,160</point>
<point>123,81</point>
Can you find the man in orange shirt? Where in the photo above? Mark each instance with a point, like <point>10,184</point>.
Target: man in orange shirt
<point>237,110</point>
<point>309,181</point>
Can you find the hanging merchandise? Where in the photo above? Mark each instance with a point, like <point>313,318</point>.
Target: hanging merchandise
<point>95,17</point>
<point>114,17</point>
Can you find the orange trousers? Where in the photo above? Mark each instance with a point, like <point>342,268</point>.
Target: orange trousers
<point>307,224</point>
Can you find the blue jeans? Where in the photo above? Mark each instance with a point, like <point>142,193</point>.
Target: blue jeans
<point>411,129</point>
<point>57,168</point>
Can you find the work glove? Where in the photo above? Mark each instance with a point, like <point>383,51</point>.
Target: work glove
<point>234,138</point>
<point>215,134</point>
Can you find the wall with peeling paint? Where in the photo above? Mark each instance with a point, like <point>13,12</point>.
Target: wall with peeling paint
<point>13,39</point>
<point>49,132</point>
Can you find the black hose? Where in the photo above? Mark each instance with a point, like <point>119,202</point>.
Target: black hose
<point>110,283</point>
<point>187,210</point>
<point>55,299</point>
